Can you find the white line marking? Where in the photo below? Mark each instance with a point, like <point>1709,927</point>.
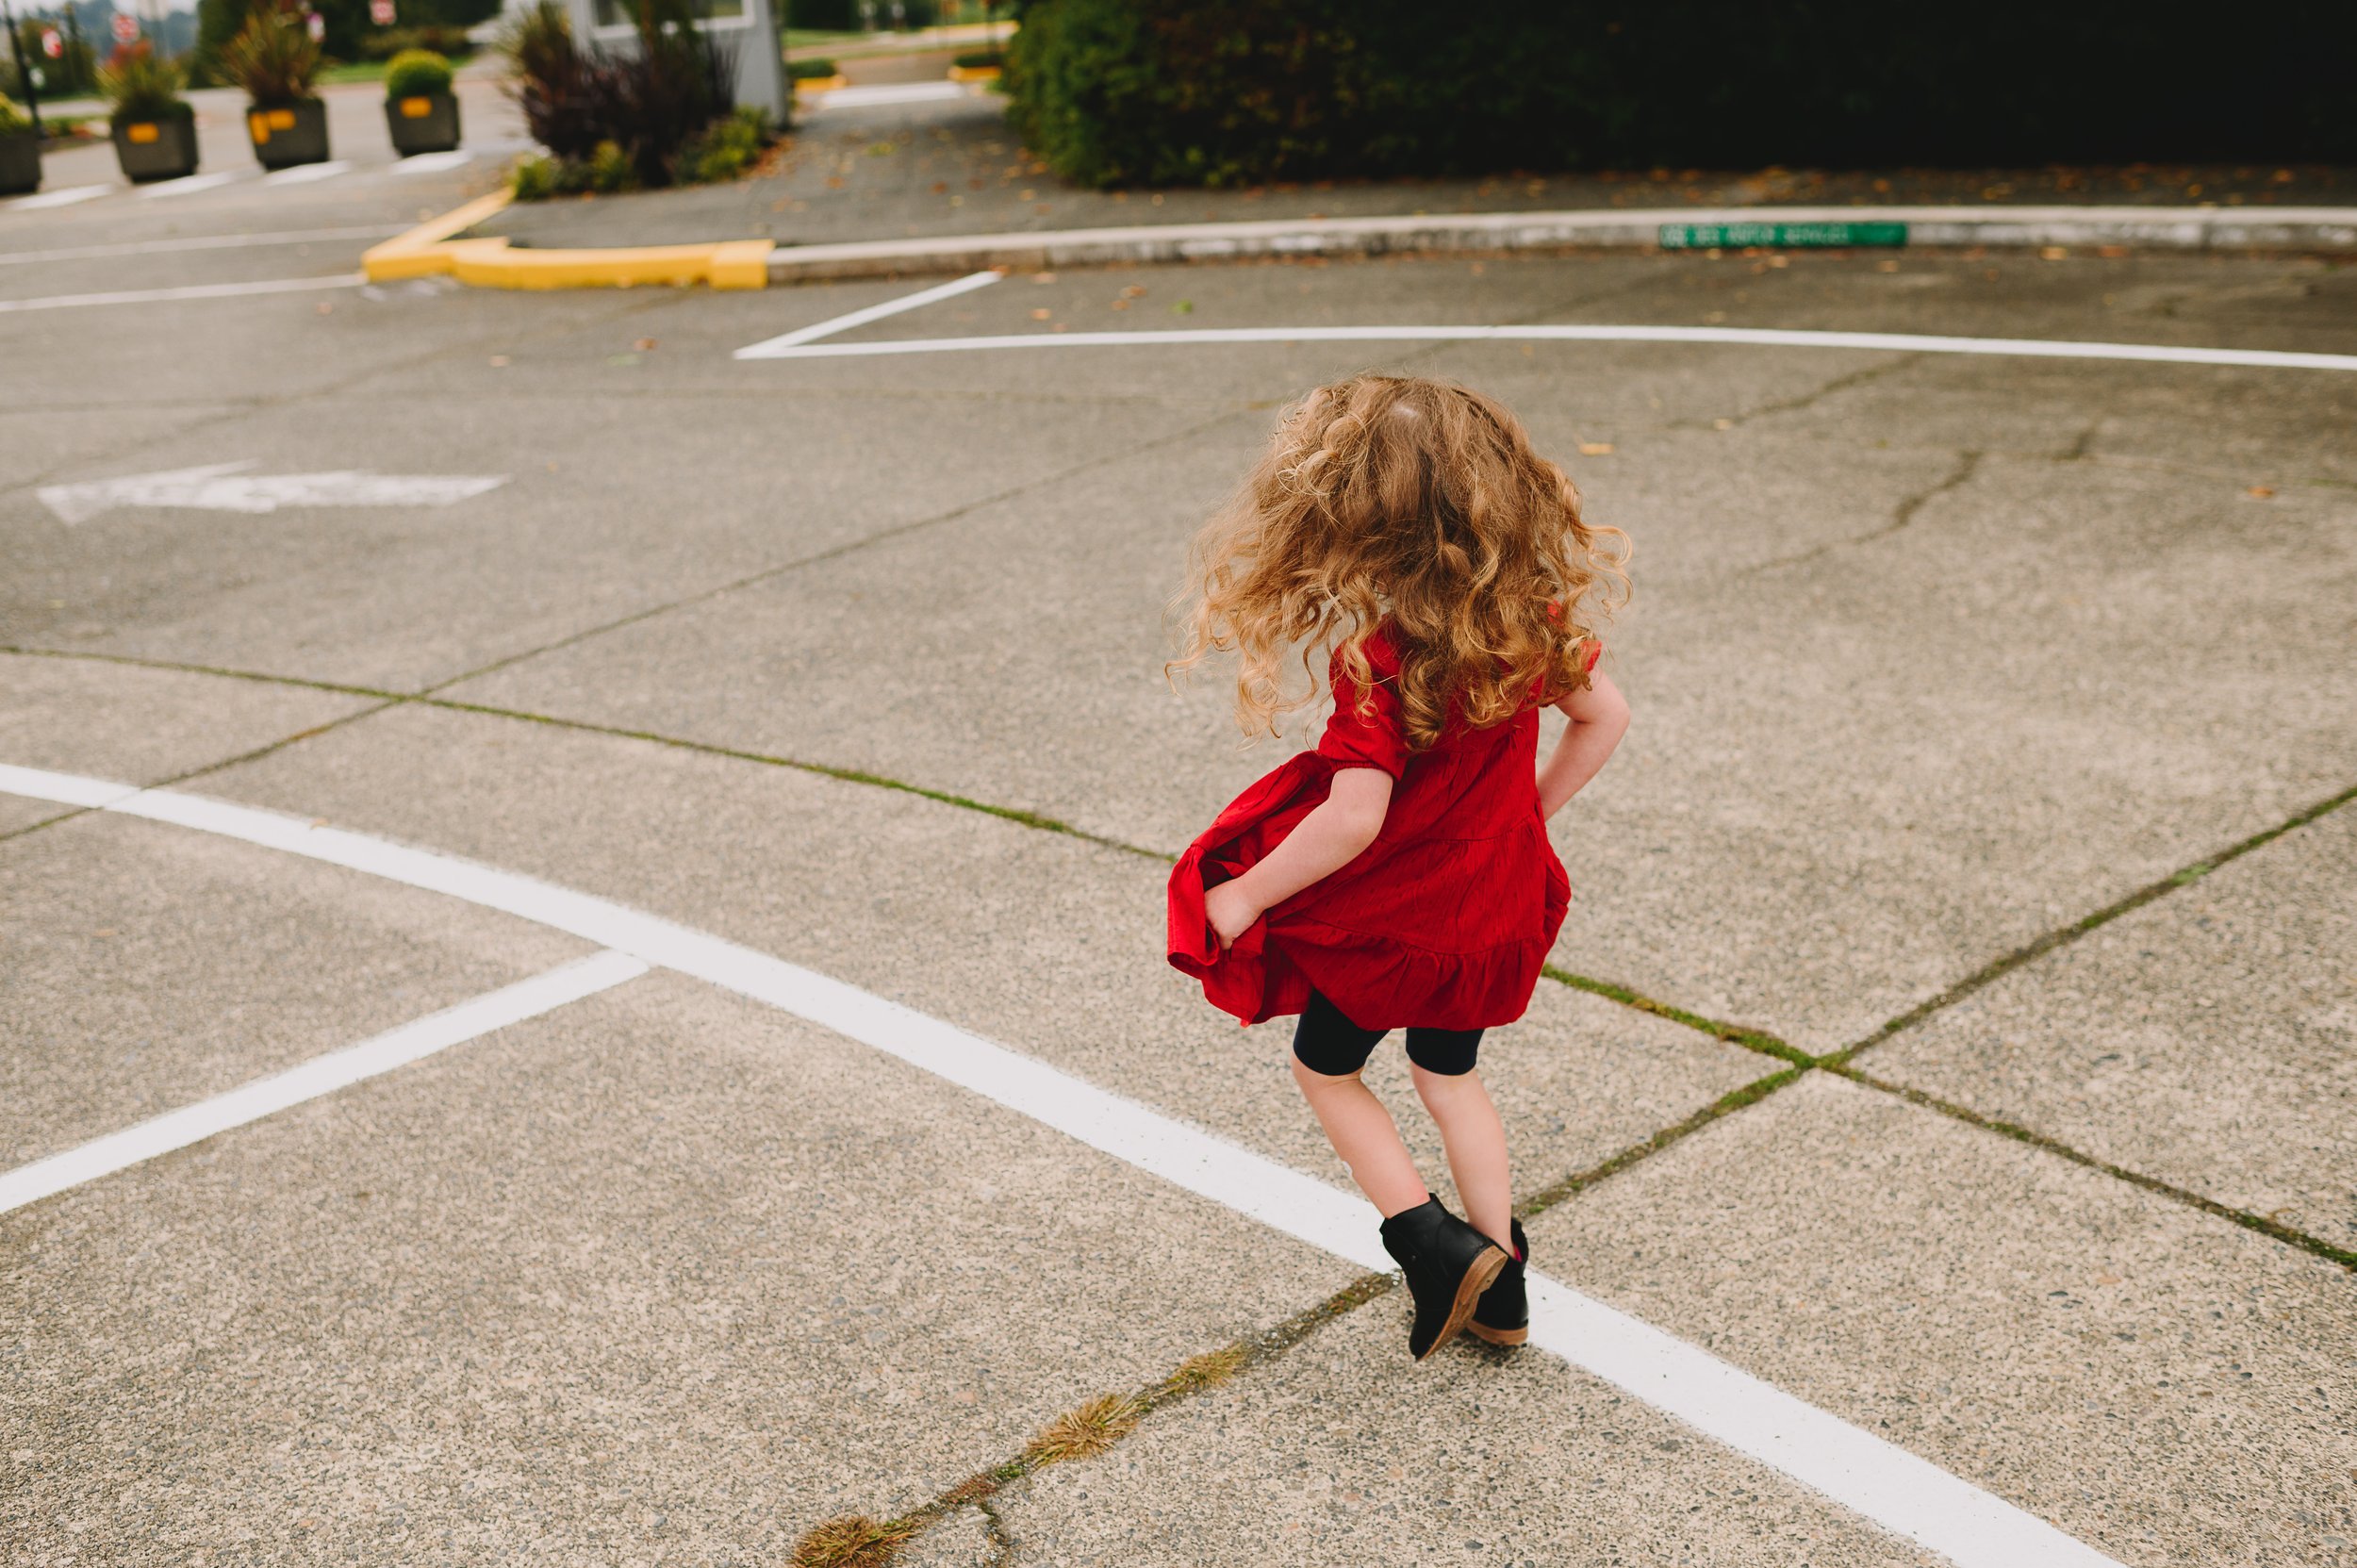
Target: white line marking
<point>66,197</point>
<point>303,174</point>
<point>189,292</point>
<point>187,184</point>
<point>195,242</point>
<point>223,487</point>
<point>1906,1495</point>
<point>322,1075</point>
<point>1897,342</point>
<point>887,92</point>
<point>770,348</point>
<point>434,163</point>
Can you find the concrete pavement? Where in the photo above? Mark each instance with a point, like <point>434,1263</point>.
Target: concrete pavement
<point>1932,658</point>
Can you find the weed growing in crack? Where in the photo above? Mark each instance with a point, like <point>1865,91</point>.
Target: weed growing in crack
<point>1086,1433</point>
<point>852,1541</point>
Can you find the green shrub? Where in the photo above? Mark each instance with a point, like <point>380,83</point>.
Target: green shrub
<point>272,56</point>
<point>726,149</point>
<point>803,71</point>
<point>979,60</point>
<point>1226,91</point>
<point>416,74</point>
<point>142,87</point>
<point>13,119</point>
<point>533,178</point>
<point>611,168</point>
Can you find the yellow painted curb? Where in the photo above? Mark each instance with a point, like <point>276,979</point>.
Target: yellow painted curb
<point>429,251</point>
<point>822,84</point>
<point>420,253</point>
<point>974,73</point>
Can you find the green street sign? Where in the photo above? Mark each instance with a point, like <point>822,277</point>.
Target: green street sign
<point>1695,236</point>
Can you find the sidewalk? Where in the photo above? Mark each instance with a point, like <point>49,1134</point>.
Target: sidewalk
<point>954,167</point>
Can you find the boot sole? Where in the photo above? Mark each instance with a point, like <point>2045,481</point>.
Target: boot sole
<point>1498,1336</point>
<point>1485,1268</point>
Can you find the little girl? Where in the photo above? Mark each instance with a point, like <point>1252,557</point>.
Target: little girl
<point>1399,875</point>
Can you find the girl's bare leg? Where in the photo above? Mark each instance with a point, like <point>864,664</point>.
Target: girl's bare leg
<point>1475,1141</point>
<point>1363,1133</point>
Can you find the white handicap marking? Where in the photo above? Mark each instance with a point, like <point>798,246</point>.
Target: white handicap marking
<point>429,163</point>
<point>225,488</point>
<point>303,174</point>
<point>188,184</point>
<point>66,197</point>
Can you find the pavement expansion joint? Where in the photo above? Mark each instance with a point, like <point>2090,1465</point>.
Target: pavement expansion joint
<point>1806,400</point>
<point>857,1541</point>
<point>834,553</point>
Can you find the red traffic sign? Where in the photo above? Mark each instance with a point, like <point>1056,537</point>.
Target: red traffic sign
<point>53,44</point>
<point>126,28</point>
<point>381,12</point>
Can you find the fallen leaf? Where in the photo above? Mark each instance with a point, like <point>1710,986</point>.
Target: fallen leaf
<point>1041,315</point>
<point>1595,449</point>
<point>643,344</point>
<point>2262,491</point>
<point>326,308</point>
<point>499,359</point>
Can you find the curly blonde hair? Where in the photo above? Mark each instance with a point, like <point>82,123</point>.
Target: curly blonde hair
<point>1416,502</point>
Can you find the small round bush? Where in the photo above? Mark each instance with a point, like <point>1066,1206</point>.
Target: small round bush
<point>805,71</point>
<point>13,119</point>
<point>416,74</point>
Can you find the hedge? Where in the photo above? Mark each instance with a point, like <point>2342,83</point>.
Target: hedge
<point>1228,92</point>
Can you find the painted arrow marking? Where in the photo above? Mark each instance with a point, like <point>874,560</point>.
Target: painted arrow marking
<point>227,487</point>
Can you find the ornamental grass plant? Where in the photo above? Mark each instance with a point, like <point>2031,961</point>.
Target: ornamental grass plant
<point>273,58</point>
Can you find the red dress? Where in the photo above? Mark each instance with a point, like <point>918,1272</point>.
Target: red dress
<point>1442,922</point>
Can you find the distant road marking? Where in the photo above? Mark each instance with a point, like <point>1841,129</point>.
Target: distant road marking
<point>226,488</point>
<point>66,197</point>
<point>888,92</point>
<point>188,184</point>
<point>430,164</point>
<point>772,347</point>
<point>194,243</point>
<point>322,1075</point>
<point>1896,342</point>
<point>1906,1495</point>
<point>303,174</point>
<point>189,292</point>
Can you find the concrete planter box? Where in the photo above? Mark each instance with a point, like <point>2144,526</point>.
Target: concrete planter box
<point>284,135</point>
<point>422,123</point>
<point>19,163</point>
<point>158,149</point>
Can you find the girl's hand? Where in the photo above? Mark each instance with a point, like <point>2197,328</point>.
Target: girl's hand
<point>1232,911</point>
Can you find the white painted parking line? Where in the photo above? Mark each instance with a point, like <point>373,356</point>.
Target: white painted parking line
<point>769,348</point>
<point>303,174</point>
<point>189,292</point>
<point>67,197</point>
<point>1896,342</point>
<point>886,92</point>
<point>322,1075</point>
<point>188,184</point>
<point>434,163</point>
<point>1905,1494</point>
<point>198,242</point>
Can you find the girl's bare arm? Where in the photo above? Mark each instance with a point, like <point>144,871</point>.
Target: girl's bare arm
<point>1327,840</point>
<point>1599,717</point>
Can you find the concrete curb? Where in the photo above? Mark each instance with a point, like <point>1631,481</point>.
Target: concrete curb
<point>433,249</point>
<point>2315,228</point>
<point>430,250</point>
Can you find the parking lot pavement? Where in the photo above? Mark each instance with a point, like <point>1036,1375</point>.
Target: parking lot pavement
<point>324,957</point>
<point>2161,1384</point>
<point>856,662</point>
<point>662,1274</point>
<point>2206,1041</point>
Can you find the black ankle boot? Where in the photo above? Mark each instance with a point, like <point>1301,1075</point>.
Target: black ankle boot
<point>1449,1264</point>
<point>1502,1314</point>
